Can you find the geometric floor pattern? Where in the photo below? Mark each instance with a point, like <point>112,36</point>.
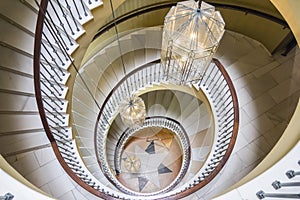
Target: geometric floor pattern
<point>151,160</point>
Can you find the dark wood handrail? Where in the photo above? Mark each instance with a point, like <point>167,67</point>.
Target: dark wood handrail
<point>215,172</point>
<point>232,140</point>
<point>39,100</point>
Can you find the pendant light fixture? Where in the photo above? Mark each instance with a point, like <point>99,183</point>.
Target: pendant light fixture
<point>132,110</point>
<point>191,34</point>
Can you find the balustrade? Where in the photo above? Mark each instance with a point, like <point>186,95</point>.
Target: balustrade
<point>57,29</point>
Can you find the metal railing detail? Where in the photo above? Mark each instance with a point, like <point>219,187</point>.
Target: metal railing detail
<point>58,27</point>
<point>277,185</point>
<point>218,87</point>
<point>163,122</point>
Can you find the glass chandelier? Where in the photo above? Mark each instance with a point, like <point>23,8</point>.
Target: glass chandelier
<point>132,110</point>
<point>192,32</point>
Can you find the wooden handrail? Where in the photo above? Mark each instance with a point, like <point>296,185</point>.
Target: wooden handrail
<point>211,176</point>
<point>232,140</point>
<point>39,100</point>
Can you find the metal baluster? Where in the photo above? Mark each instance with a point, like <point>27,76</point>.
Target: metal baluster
<point>52,58</point>
<point>72,16</point>
<point>65,17</point>
<point>54,122</point>
<point>71,160</point>
<point>217,89</point>
<point>84,9</point>
<point>215,84</point>
<point>212,69</point>
<point>53,69</point>
<point>51,84</point>
<point>59,19</point>
<point>222,147</point>
<point>59,131</point>
<point>225,114</point>
<point>58,31</point>
<point>61,101</point>
<point>217,97</point>
<point>65,144</point>
<point>222,140</point>
<point>291,173</point>
<point>45,68</point>
<point>51,91</point>
<point>222,104</point>
<point>69,154</point>
<point>212,80</point>
<point>56,39</point>
<point>79,16</point>
<point>55,116</point>
<point>61,137</point>
<point>277,184</point>
<point>261,195</point>
<point>51,105</point>
<point>56,35</point>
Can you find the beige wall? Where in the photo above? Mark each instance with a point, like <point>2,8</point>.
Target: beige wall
<point>289,9</point>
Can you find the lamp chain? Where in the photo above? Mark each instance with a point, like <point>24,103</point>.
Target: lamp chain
<point>119,44</point>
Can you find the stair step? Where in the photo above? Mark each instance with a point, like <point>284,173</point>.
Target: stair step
<point>82,120</point>
<point>15,37</point>
<point>139,58</point>
<point>173,110</point>
<point>153,38</point>
<point>129,62</point>
<point>138,40</point>
<point>19,13</point>
<point>15,60</point>
<point>64,41</point>
<point>16,143</point>
<point>15,82</point>
<point>81,95</point>
<point>48,88</point>
<point>93,4</point>
<point>112,52</point>
<point>102,61</point>
<point>151,55</point>
<point>19,122</point>
<point>71,28</point>
<point>93,70</point>
<point>117,69</point>
<point>79,10</point>
<point>12,102</point>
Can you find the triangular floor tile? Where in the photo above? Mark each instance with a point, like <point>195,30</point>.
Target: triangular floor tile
<point>162,169</point>
<point>142,182</point>
<point>151,149</point>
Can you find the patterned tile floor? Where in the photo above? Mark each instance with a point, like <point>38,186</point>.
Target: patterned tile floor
<point>151,160</point>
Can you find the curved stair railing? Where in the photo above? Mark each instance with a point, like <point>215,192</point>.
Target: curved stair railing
<point>55,40</point>
<point>218,88</point>
<point>162,122</point>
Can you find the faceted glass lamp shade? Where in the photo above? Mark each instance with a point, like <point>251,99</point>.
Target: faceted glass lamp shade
<point>133,111</point>
<point>191,36</point>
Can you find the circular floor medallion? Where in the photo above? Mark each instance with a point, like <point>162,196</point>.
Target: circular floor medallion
<point>151,160</point>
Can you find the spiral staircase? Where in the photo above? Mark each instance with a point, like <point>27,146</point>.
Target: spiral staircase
<point>24,141</point>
